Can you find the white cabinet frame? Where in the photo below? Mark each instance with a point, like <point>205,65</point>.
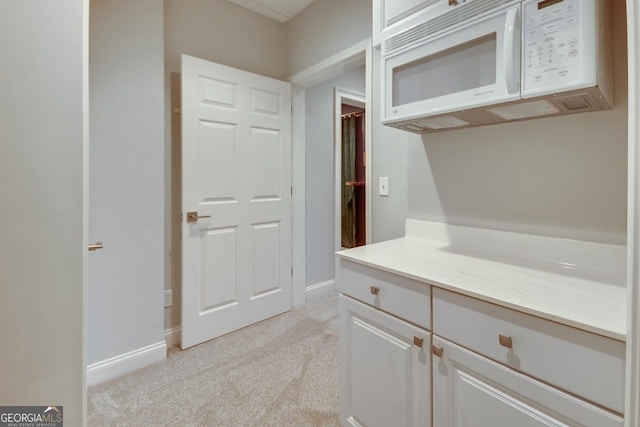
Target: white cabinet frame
<point>632,409</point>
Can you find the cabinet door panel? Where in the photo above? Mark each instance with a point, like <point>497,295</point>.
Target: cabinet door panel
<point>396,16</point>
<point>395,10</point>
<point>472,391</point>
<point>385,376</point>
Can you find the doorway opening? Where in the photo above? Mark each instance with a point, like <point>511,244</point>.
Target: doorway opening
<point>353,231</point>
<point>351,176</point>
<point>345,61</point>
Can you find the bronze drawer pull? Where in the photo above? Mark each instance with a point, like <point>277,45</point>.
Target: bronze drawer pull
<point>418,341</point>
<point>505,341</point>
<point>375,290</point>
<point>437,350</point>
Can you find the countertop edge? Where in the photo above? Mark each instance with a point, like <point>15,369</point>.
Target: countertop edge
<point>608,333</point>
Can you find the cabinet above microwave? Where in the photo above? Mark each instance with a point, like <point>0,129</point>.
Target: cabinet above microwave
<point>477,62</point>
<point>391,17</point>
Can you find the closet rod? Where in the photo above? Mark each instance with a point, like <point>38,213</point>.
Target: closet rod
<point>356,114</point>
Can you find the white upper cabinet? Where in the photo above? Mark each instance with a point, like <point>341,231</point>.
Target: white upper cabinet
<point>391,15</point>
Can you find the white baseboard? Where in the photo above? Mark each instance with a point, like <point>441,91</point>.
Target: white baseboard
<point>320,288</point>
<point>172,336</point>
<point>114,367</point>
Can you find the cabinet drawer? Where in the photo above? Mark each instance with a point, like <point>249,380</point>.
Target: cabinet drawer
<point>580,362</point>
<point>397,295</point>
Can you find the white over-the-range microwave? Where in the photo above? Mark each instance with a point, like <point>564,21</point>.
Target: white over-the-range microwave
<point>460,63</point>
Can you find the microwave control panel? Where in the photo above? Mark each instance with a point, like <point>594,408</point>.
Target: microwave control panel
<point>555,50</point>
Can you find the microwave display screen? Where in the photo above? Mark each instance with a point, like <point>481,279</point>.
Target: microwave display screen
<point>547,3</point>
<point>463,67</point>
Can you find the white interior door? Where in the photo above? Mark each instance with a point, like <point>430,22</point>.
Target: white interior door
<point>236,176</point>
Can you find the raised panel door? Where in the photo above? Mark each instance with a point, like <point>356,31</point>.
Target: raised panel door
<point>384,369</point>
<point>472,391</point>
<point>236,176</point>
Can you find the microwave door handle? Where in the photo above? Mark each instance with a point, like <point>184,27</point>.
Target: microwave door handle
<point>512,50</point>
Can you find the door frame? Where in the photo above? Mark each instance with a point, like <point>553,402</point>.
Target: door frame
<point>346,60</point>
<point>342,96</point>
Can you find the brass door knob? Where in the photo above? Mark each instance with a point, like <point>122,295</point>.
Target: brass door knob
<point>193,216</point>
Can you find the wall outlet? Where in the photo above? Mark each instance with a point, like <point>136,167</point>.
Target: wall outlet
<point>383,188</point>
<point>168,298</point>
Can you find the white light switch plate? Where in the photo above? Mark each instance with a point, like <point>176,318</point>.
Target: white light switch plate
<point>383,189</point>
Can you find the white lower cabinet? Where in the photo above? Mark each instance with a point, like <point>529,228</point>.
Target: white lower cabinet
<point>470,390</point>
<point>480,365</point>
<point>385,375</point>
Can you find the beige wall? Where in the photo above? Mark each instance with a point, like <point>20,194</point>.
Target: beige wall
<point>325,28</point>
<point>390,159</point>
<point>127,177</point>
<point>223,32</point>
<point>563,176</point>
<point>42,46</point>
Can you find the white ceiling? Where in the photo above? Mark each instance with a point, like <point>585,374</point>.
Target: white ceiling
<point>280,10</point>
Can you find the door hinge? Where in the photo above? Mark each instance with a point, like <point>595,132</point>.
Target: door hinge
<point>292,272</point>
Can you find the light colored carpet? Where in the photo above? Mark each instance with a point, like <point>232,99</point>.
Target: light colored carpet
<point>280,372</point>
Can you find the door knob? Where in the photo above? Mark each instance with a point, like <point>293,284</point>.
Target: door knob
<point>95,246</point>
<point>193,216</point>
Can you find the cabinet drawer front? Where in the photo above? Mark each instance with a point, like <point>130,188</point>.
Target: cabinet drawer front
<point>467,386</point>
<point>385,369</point>
<point>397,295</point>
<point>580,362</point>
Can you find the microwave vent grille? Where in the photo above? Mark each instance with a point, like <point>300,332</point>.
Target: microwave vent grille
<point>444,122</point>
<point>412,128</point>
<point>576,103</point>
<point>525,110</point>
<point>445,21</point>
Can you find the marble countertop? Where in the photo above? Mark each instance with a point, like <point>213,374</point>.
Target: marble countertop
<point>592,297</point>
